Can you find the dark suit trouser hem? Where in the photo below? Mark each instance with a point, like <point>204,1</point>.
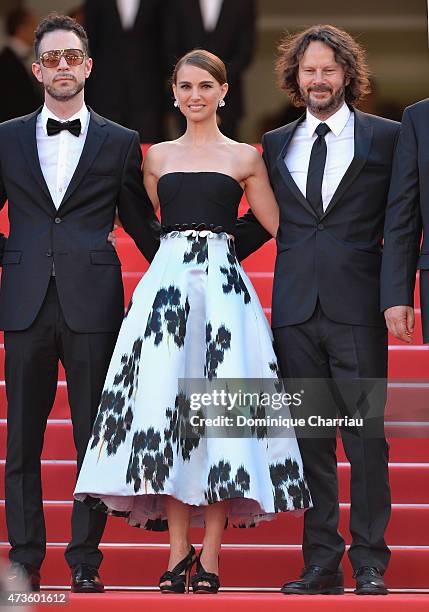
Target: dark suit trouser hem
<point>31,372</point>
<point>321,348</point>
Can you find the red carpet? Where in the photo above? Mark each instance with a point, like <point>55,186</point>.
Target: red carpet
<point>117,601</point>
<point>255,566</point>
<point>261,558</point>
<point>409,481</point>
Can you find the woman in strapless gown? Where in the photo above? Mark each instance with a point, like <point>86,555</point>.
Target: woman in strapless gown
<point>193,317</point>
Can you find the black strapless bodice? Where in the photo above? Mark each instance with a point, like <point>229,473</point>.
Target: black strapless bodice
<point>199,198</point>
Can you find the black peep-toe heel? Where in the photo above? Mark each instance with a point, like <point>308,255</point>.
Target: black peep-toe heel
<point>179,576</point>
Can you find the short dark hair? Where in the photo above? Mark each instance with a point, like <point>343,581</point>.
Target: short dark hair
<point>55,21</point>
<point>206,61</point>
<point>15,18</point>
<point>347,52</point>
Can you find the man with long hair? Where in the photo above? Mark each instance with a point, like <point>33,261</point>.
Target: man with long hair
<point>330,171</point>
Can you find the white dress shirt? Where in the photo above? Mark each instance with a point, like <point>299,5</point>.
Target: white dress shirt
<point>59,154</point>
<point>128,10</point>
<point>340,151</point>
<point>210,11</point>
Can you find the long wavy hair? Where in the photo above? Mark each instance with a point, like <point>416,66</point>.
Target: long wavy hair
<point>347,52</point>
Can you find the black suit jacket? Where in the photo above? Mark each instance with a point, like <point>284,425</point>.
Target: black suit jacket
<point>336,258</point>
<point>129,67</point>
<point>408,214</point>
<point>233,39</point>
<point>87,268</point>
<point>21,94</point>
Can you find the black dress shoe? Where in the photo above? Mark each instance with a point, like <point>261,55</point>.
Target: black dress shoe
<point>22,577</point>
<point>316,580</point>
<point>369,581</point>
<point>86,579</point>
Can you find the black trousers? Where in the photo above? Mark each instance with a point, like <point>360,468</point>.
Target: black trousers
<point>31,372</point>
<point>321,348</point>
<point>424,303</point>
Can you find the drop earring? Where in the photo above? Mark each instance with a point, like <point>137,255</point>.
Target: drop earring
<point>221,103</point>
<point>176,104</point>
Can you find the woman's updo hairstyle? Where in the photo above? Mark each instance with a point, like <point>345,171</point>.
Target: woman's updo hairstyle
<point>200,58</point>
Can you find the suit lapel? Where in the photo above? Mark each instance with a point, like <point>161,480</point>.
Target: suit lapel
<point>114,18</point>
<point>28,141</point>
<point>94,139</point>
<point>224,18</point>
<point>139,14</point>
<point>195,19</point>
<point>281,166</point>
<point>362,139</point>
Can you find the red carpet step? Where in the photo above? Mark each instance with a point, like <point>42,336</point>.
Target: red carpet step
<point>116,601</point>
<point>407,527</point>
<point>59,440</point>
<point>408,401</point>
<point>409,482</point>
<point>405,362</point>
<point>240,566</point>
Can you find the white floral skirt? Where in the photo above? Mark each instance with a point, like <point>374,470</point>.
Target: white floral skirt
<point>194,315</point>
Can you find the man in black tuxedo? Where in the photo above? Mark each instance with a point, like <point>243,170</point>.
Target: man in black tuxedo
<point>127,83</point>
<point>330,171</point>
<point>407,215</point>
<point>227,29</point>
<point>64,170</point>
<point>21,93</point>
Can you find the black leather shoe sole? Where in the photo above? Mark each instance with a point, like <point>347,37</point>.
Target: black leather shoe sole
<point>87,589</point>
<point>371,590</point>
<point>328,591</point>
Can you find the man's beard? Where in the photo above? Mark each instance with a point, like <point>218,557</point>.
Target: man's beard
<point>331,104</point>
<point>66,94</point>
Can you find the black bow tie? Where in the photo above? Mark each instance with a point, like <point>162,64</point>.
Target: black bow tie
<point>55,127</point>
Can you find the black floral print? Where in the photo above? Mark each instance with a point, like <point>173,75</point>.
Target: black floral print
<point>287,481</point>
<point>99,506</point>
<point>215,349</point>
<point>148,461</point>
<point>300,494</point>
<point>111,426</point>
<point>198,251</point>
<point>168,312</point>
<point>155,524</point>
<point>273,365</point>
<point>130,368</point>
<point>180,432</point>
<point>234,281</point>
<point>222,486</point>
<point>258,412</point>
<point>231,256</point>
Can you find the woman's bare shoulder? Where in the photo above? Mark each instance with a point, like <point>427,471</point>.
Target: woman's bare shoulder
<point>160,150</point>
<point>246,152</point>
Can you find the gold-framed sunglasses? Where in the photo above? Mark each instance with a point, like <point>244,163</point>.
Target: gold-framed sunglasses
<point>51,59</point>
